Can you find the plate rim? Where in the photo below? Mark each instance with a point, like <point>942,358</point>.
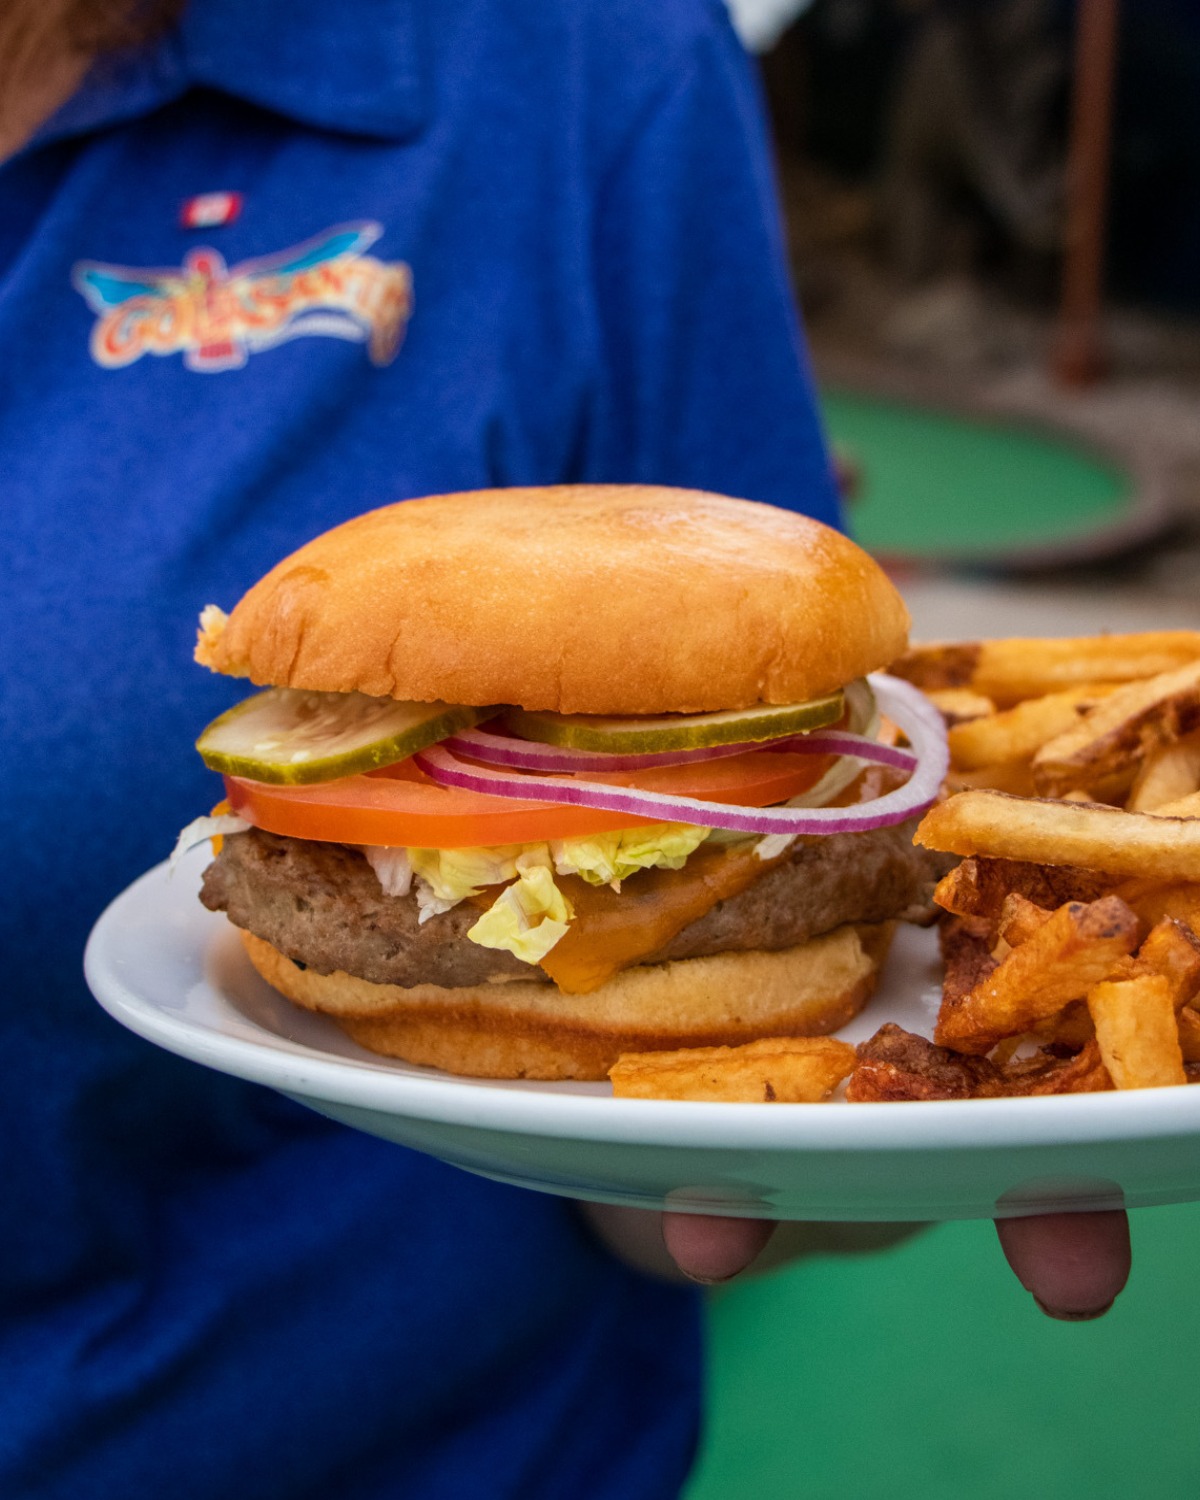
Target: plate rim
<point>297,1068</point>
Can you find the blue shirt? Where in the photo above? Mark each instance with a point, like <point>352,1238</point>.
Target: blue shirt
<point>478,244</point>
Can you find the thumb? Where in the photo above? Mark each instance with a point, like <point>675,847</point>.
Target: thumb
<point>710,1249</point>
<point>1074,1264</point>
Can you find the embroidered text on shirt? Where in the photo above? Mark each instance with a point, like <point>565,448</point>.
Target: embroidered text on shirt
<point>217,316</point>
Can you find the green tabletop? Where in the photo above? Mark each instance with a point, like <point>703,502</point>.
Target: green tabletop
<point>939,486</point>
<point>926,1372</point>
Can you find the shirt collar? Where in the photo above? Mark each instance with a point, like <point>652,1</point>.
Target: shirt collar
<point>355,67</point>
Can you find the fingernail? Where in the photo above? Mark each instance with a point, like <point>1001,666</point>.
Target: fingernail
<point>1074,1317</point>
<point>708,1280</point>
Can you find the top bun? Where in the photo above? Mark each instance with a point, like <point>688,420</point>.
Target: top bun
<point>601,599</point>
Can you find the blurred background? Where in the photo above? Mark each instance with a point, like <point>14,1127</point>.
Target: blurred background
<point>993,217</point>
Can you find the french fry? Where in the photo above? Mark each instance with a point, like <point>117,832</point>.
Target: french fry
<point>1020,918</point>
<point>958,705</point>
<point>1071,1028</point>
<point>1167,775</point>
<point>1070,953</point>
<point>1189,1034</point>
<point>941,666</point>
<point>1016,734</point>
<point>1084,1073</point>
<point>1153,900</point>
<point>784,1070</point>
<point>1172,951</point>
<point>1042,831</point>
<point>966,947</point>
<point>897,1065</point>
<point>978,886</point>
<point>1012,776</point>
<point>1183,807</point>
<point>1102,752</point>
<point>1137,1032</point>
<point>1010,670</point>
<point>1005,1050</point>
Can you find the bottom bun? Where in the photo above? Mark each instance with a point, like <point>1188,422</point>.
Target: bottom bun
<point>524,1030</point>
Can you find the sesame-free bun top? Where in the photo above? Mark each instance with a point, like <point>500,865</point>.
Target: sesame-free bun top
<point>603,599</point>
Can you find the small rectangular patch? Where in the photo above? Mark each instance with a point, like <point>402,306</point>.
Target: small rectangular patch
<point>210,210</point>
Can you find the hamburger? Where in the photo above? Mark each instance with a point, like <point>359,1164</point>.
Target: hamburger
<point>543,776</point>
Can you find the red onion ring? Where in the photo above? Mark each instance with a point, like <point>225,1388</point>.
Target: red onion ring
<point>838,742</point>
<point>903,704</point>
<point>529,755</point>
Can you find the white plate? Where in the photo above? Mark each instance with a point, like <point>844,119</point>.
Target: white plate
<point>176,974</point>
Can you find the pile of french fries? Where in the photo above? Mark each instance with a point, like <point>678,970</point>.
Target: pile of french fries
<point>1070,927</point>
<point>1070,941</point>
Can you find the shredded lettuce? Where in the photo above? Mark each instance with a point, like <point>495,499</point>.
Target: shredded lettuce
<point>607,858</point>
<point>528,917</point>
<point>772,845</point>
<point>454,874</point>
<point>221,825</point>
<point>441,878</point>
<point>393,867</point>
<point>531,915</point>
<point>429,904</point>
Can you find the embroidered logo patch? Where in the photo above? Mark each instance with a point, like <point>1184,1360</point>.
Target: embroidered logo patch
<point>216,316</point>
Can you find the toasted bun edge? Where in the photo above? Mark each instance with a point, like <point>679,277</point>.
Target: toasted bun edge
<point>604,599</point>
<point>527,1030</point>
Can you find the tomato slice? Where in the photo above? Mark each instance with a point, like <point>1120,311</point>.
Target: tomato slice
<point>401,806</point>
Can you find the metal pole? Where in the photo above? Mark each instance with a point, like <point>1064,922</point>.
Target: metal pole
<point>1079,355</point>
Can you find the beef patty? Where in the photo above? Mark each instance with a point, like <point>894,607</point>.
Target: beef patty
<point>322,906</point>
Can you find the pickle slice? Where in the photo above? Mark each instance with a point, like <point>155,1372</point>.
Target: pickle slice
<point>766,721</point>
<point>291,737</point>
